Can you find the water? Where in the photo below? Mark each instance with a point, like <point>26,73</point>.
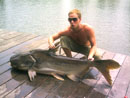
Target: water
<point>109,18</point>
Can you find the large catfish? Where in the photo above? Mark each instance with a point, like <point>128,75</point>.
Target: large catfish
<point>46,62</point>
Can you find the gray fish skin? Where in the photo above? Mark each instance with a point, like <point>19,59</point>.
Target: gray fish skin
<point>46,62</point>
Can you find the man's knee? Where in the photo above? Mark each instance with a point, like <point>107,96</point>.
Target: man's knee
<point>64,41</point>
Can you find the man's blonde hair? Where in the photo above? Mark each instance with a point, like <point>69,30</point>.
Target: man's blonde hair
<point>75,11</point>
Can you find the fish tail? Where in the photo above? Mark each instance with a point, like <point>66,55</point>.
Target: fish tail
<point>104,66</point>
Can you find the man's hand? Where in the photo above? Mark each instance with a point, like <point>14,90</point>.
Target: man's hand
<point>52,46</point>
<point>91,59</point>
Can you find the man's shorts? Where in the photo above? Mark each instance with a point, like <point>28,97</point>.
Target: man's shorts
<point>67,42</point>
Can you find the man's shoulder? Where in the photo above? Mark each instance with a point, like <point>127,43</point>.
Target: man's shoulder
<point>65,31</point>
<point>87,26</point>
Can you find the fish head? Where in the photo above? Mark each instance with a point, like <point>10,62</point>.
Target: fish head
<point>22,61</point>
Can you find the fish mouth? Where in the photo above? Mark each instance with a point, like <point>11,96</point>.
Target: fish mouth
<point>20,67</point>
<point>14,66</point>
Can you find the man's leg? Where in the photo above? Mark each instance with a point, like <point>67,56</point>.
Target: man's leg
<point>67,52</point>
<point>85,50</point>
<point>68,45</point>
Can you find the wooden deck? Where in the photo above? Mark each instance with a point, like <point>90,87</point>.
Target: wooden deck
<point>15,84</point>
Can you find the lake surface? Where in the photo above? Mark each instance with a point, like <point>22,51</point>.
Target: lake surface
<point>109,18</point>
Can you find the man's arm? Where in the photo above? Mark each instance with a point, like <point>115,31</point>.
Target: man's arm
<point>52,39</point>
<point>92,39</point>
<point>56,36</point>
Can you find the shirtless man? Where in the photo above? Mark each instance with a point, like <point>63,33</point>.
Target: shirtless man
<point>77,37</point>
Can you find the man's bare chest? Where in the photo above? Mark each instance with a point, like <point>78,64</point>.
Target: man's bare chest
<point>80,37</point>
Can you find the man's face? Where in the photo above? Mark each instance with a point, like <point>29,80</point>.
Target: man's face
<point>74,20</point>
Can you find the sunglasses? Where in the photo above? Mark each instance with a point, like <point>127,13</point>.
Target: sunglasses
<point>74,19</point>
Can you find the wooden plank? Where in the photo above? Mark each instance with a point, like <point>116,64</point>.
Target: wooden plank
<point>7,41</point>
<point>5,59</point>
<point>122,81</point>
<point>10,50</point>
<point>25,88</point>
<point>101,52</point>
<point>53,96</point>
<point>77,55</point>
<point>1,40</point>
<point>12,84</point>
<point>92,78</point>
<point>43,46</point>
<point>96,94</point>
<point>80,91</point>
<point>34,45</point>
<point>6,76</point>
<point>120,59</point>
<point>16,41</point>
<point>10,35</point>
<point>45,88</point>
<point>2,31</point>
<point>100,86</point>
<point>4,68</point>
<point>65,89</point>
<point>128,91</point>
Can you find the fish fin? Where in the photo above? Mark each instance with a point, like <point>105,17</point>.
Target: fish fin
<point>104,66</point>
<point>73,77</point>
<point>31,74</point>
<point>57,76</point>
<point>107,76</point>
